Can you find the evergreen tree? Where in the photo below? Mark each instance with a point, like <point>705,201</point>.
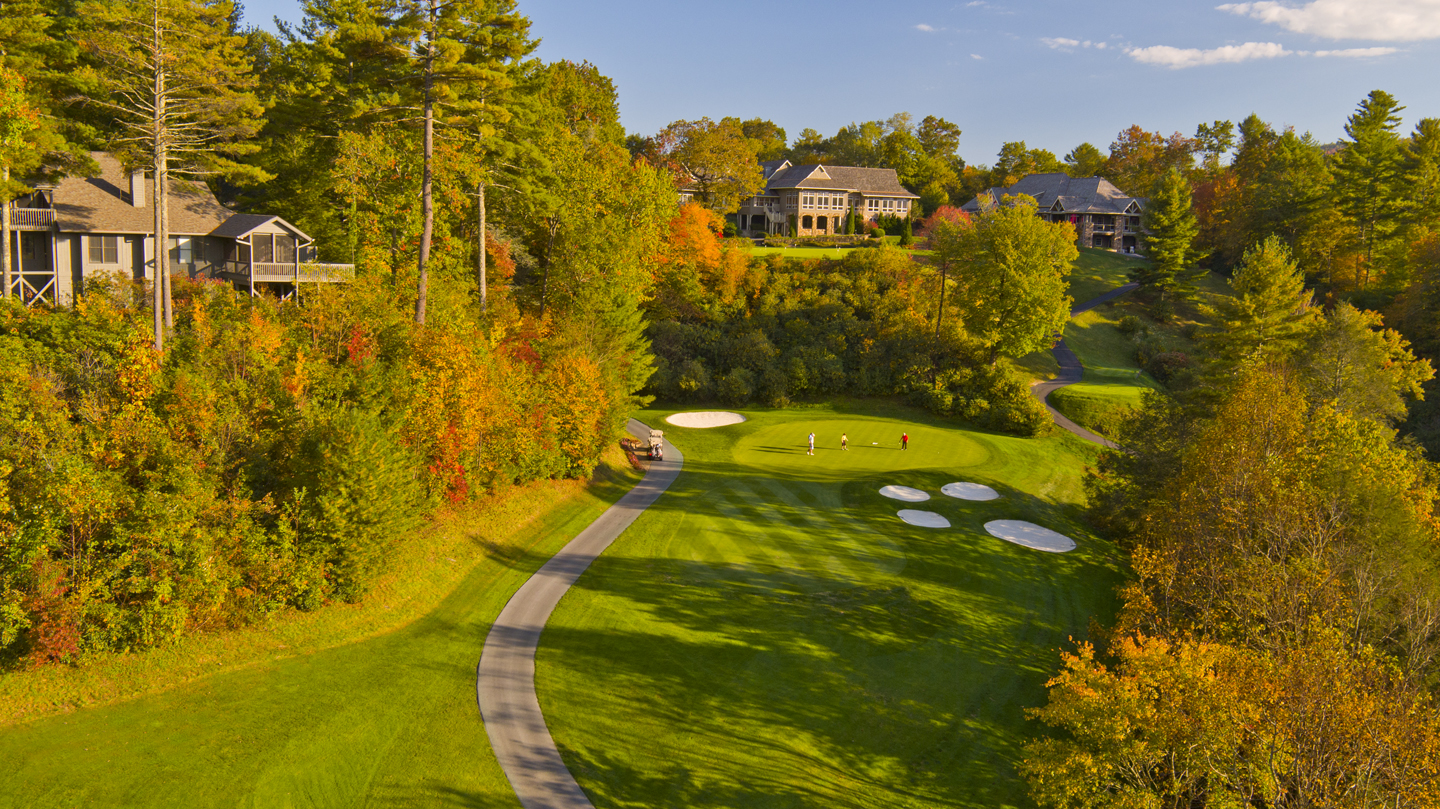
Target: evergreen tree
<point>1369,172</point>
<point>907,233</point>
<point>178,81</point>
<point>37,74</point>
<point>1422,172</point>
<point>1170,231</point>
<point>462,60</point>
<point>1268,315</point>
<point>1085,160</point>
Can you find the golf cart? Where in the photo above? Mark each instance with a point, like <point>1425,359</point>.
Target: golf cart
<point>657,445</point>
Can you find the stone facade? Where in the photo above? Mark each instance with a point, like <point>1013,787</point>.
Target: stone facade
<point>816,199</point>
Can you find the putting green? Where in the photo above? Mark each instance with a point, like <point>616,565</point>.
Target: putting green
<point>770,633</point>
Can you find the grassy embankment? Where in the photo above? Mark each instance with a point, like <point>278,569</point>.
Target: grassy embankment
<point>771,634</point>
<point>824,252</point>
<point>1114,382</point>
<point>351,704</point>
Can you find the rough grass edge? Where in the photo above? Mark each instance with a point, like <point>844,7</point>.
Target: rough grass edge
<point>422,574</point>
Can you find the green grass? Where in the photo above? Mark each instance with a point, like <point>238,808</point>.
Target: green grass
<point>1099,271</point>
<point>769,634</point>
<point>390,720</point>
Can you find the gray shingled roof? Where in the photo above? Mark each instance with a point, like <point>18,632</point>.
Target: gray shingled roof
<point>242,224</point>
<point>1075,194</point>
<point>102,204</point>
<point>875,182</point>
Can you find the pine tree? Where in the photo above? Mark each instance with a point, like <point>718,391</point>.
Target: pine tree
<point>1269,312</point>
<point>462,58</point>
<point>1170,232</point>
<point>38,55</point>
<point>1369,172</point>
<point>178,81</point>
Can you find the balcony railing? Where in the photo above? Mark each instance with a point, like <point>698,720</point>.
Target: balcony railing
<point>32,218</point>
<point>310,271</point>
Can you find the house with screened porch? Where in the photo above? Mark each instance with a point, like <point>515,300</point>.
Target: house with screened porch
<point>1103,216</point>
<point>815,199</point>
<point>103,226</point>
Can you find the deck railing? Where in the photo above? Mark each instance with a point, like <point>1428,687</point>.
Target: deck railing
<point>32,218</point>
<point>310,271</point>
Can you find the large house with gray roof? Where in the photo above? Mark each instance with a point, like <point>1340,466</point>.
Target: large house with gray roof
<point>815,199</point>
<point>103,226</point>
<point>1101,213</point>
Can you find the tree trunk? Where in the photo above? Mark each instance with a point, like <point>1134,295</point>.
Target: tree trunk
<point>545,277</point>
<point>480,260</point>
<point>157,286</point>
<point>939,316</point>
<point>5,232</point>
<point>164,202</point>
<point>427,191</point>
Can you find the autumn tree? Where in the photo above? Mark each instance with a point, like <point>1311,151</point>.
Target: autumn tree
<point>769,139</point>
<point>718,158</point>
<point>178,80</point>
<point>1084,161</point>
<point>1350,362</point>
<point>18,122</point>
<point>1016,160</point>
<point>1010,268</point>
<point>1138,159</point>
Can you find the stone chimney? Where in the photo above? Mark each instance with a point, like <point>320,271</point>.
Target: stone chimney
<point>137,189</point>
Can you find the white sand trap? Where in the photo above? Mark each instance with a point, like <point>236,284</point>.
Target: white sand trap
<point>924,519</point>
<point>905,493</point>
<point>969,491</point>
<point>1030,535</point>
<point>707,418</point>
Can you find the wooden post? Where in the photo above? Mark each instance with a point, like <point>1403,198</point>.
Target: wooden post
<point>5,228</point>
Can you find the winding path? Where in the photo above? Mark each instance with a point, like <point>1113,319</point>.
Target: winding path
<point>1071,371</point>
<point>505,678</point>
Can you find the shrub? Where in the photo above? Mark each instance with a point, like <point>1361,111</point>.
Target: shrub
<point>938,401</point>
<point>736,387</point>
<point>1165,365</point>
<point>877,232</point>
<point>1129,325</point>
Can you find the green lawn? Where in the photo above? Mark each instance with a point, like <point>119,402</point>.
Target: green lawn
<point>1099,271</point>
<point>388,721</point>
<point>769,634</point>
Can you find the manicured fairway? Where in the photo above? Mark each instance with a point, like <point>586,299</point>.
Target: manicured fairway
<point>769,634</point>
<point>389,721</point>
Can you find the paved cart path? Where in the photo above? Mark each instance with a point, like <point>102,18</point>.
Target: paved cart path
<point>505,678</point>
<point>1071,371</point>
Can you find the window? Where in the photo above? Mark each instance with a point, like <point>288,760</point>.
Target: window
<point>807,223</point>
<point>182,249</point>
<point>904,204</point>
<point>889,204</point>
<point>285,249</point>
<point>873,204</point>
<point>264,248</point>
<point>104,249</point>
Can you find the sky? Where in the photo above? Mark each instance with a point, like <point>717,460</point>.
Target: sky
<point>1053,74</point>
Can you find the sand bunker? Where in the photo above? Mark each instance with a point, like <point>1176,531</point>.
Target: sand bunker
<point>905,493</point>
<point>969,491</point>
<point>707,418</point>
<point>1030,535</point>
<point>924,519</point>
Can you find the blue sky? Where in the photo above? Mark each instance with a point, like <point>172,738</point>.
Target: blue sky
<point>1053,74</point>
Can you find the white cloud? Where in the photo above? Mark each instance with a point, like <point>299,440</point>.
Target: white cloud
<point>1355,53</point>
<point>1176,58</point>
<point>1382,20</point>
<point>923,27</point>
<point>1060,42</point>
<point>976,56</point>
